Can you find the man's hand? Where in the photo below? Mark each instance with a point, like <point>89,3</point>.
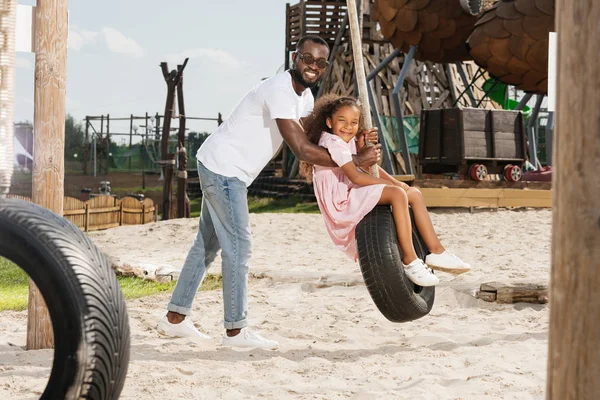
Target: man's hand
<point>368,156</point>
<point>366,136</point>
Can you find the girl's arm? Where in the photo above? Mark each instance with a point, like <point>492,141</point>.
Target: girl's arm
<point>391,179</point>
<point>360,178</point>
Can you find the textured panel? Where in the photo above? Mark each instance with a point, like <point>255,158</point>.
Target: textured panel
<point>439,27</point>
<point>510,40</point>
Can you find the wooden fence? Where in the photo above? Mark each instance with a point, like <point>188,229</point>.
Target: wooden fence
<point>103,212</point>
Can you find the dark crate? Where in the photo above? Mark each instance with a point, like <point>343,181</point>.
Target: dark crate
<point>452,139</point>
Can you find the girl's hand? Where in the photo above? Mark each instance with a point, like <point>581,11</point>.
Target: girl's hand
<point>401,184</point>
<point>366,136</point>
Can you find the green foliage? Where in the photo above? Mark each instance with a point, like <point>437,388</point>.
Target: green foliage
<point>14,286</point>
<point>74,136</point>
<point>268,205</point>
<point>195,140</point>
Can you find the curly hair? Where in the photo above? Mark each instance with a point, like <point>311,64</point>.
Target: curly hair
<point>315,124</point>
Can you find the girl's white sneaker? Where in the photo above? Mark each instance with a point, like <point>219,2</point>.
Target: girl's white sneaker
<point>447,262</point>
<point>420,274</point>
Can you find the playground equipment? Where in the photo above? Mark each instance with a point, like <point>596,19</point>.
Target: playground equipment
<point>473,142</point>
<point>398,299</point>
<point>84,300</point>
<point>510,41</point>
<point>439,28</point>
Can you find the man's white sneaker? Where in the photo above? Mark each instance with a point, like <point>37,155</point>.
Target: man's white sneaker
<point>183,329</point>
<point>447,262</point>
<point>249,339</point>
<point>418,272</point>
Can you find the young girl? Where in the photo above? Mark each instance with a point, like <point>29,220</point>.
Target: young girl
<point>346,194</point>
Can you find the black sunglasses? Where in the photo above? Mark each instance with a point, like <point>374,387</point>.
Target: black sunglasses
<point>309,59</point>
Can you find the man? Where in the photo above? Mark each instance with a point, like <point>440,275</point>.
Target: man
<point>228,161</point>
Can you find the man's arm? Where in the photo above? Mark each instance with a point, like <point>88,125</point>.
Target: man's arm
<point>293,134</point>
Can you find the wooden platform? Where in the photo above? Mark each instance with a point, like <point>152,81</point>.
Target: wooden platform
<point>487,194</point>
<point>489,198</point>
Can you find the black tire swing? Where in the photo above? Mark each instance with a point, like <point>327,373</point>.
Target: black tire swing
<point>84,299</point>
<point>380,260</point>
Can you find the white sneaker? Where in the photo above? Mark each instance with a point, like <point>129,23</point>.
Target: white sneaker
<point>183,329</point>
<point>418,272</point>
<point>249,339</point>
<point>447,262</point>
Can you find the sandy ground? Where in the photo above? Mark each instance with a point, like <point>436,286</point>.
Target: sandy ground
<point>334,343</point>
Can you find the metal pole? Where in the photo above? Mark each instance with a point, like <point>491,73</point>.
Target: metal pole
<point>466,82</point>
<point>531,131</point>
<point>523,102</point>
<point>549,137</point>
<point>398,109</point>
<point>94,151</point>
<point>388,165</point>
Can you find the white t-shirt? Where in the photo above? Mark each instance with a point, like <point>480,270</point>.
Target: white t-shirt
<point>244,144</point>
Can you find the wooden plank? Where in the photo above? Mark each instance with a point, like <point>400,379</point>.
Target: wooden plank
<point>486,296</point>
<point>103,226</point>
<point>74,212</point>
<point>517,292</point>
<point>492,198</point>
<point>405,178</point>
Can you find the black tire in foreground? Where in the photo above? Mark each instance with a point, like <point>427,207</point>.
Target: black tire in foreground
<point>398,298</point>
<point>84,299</point>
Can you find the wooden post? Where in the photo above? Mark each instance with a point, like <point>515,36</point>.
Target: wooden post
<point>87,217</point>
<point>101,141</point>
<point>167,159</point>
<point>574,343</point>
<point>183,202</point>
<point>86,146</point>
<point>361,78</point>
<point>107,142</point>
<point>131,136</point>
<point>50,47</point>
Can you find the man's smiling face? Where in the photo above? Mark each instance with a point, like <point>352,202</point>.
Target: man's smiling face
<point>309,74</point>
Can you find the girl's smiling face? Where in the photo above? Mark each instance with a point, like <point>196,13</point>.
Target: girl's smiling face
<point>345,122</point>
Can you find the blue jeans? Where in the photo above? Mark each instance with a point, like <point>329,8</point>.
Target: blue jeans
<point>224,223</point>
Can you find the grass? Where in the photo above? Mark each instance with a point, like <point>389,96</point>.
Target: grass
<point>269,205</point>
<point>14,286</point>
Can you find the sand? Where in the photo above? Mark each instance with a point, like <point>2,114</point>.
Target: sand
<point>334,343</point>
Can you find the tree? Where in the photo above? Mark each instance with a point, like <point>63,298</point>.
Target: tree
<point>195,140</point>
<point>73,138</point>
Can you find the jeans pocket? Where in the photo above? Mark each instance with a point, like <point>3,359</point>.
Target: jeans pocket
<point>208,180</point>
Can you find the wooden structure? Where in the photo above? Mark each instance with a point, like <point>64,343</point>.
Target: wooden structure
<point>510,41</point>
<point>472,141</point>
<point>574,356</point>
<point>510,293</point>
<point>103,212</point>
<point>439,28</point>
<point>317,17</point>
<point>427,84</point>
<point>50,47</point>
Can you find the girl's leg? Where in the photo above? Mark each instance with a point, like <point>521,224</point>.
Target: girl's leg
<point>439,259</point>
<point>398,199</point>
<point>423,221</point>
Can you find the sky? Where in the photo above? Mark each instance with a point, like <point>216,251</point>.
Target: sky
<point>116,47</point>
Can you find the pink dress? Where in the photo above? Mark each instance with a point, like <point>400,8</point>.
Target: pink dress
<point>342,203</point>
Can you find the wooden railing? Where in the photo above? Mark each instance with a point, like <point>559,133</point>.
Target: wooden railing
<point>103,212</point>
